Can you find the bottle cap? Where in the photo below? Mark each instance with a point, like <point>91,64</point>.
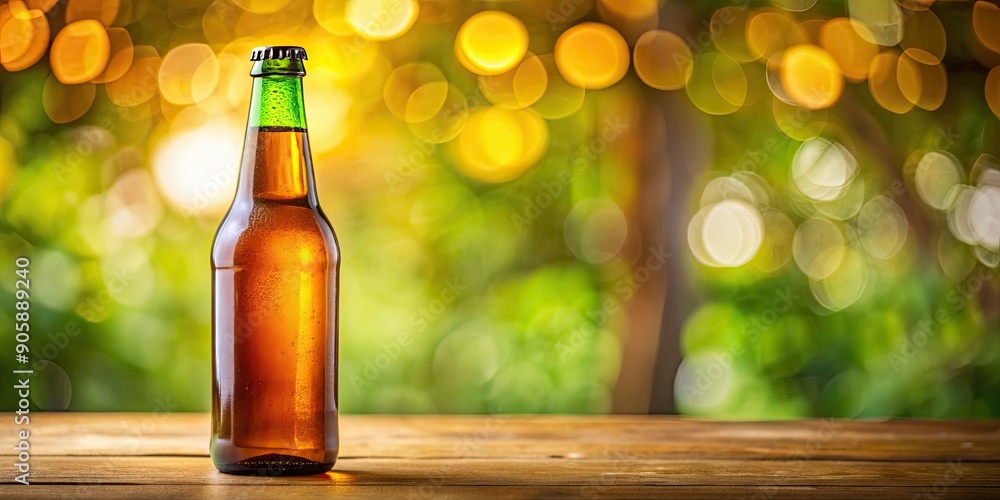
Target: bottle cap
<point>279,52</point>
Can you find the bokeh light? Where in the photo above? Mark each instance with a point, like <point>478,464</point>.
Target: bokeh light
<point>718,85</point>
<point>663,60</point>
<point>133,205</point>
<point>923,85</point>
<point>984,214</point>
<point>447,122</point>
<point>595,230</point>
<point>985,19</point>
<point>878,21</point>
<point>811,76</point>
<point>188,73</point>
<point>262,6</point>
<point>818,248</point>
<point>798,122</point>
<point>844,285</point>
<point>331,15</point>
<point>852,52</point>
<point>196,170</point>
<point>769,33</point>
<point>23,37</point>
<point>381,19</point>
<point>103,11</point>
<point>883,82</point>
<point>80,52</point>
<point>936,175</point>
<point>823,170</point>
<point>882,227</point>
<point>729,33</point>
<point>592,55</point>
<point>924,37</point>
<point>491,42</point>
<point>992,91</point>
<point>726,234</point>
<point>65,103</point>
<point>120,58</point>
<point>519,87</point>
<point>498,144</point>
<point>139,84</point>
<point>561,98</point>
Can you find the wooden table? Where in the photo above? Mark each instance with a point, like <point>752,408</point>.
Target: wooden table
<point>146,455</point>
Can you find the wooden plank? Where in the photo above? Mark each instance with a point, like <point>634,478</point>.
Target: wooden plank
<point>47,492</point>
<point>581,474</point>
<point>517,436</point>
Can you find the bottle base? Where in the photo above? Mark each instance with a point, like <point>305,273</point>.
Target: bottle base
<point>275,464</point>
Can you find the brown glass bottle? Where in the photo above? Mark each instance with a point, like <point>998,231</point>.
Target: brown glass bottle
<point>275,265</point>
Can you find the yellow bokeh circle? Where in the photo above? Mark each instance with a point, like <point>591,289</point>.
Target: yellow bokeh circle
<point>884,84</point>
<point>447,122</point>
<point>65,103</point>
<point>261,6</point>
<point>811,76</point>
<point>518,88</point>
<point>188,73</point>
<point>80,52</point>
<point>381,19</point>
<point>924,37</point>
<point>993,90</point>
<point>851,51</point>
<point>718,84</point>
<point>491,42</point>
<point>663,60</point>
<point>985,23</point>
<point>498,145</point>
<point>728,32</point>
<point>769,32</point>
<point>24,36</point>
<point>139,83</point>
<point>924,85</point>
<point>103,11</point>
<point>414,92</point>
<point>120,59</point>
<point>592,55</point>
<point>561,98</point>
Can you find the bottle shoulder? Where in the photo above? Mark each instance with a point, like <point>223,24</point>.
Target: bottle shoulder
<point>291,232</point>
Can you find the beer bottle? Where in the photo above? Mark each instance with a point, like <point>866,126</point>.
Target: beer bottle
<point>275,279</point>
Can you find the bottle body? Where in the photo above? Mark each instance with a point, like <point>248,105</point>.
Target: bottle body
<point>275,265</point>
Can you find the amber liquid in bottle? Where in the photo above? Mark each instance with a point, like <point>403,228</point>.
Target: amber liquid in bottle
<point>275,265</point>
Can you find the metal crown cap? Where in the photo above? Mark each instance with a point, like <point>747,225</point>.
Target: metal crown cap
<point>289,52</point>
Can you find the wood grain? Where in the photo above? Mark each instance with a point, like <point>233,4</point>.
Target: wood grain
<point>513,456</point>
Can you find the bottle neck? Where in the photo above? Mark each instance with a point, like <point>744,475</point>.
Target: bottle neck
<point>277,102</point>
<point>277,165</point>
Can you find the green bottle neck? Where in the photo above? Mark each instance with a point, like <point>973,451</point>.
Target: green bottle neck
<point>277,99</point>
